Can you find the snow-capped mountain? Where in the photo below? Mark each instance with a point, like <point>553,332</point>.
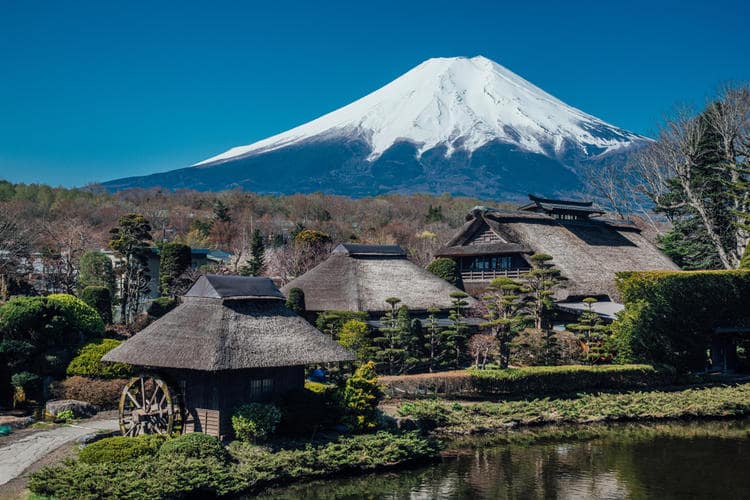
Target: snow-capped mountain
<point>459,125</point>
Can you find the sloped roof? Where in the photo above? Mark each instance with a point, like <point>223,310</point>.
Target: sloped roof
<point>588,253</point>
<point>357,282</point>
<point>358,249</point>
<point>553,205</point>
<point>234,330</point>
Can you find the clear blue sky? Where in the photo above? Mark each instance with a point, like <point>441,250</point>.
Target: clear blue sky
<point>94,90</point>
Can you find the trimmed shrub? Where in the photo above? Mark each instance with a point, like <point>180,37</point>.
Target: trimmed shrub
<point>446,268</point>
<point>194,445</point>
<point>95,269</point>
<point>255,422</point>
<point>565,379</point>
<point>104,393</point>
<point>120,449</point>
<point>669,316</point>
<point>161,306</point>
<point>81,316</point>
<point>88,362</point>
<point>296,300</point>
<point>100,299</point>
<point>361,396</point>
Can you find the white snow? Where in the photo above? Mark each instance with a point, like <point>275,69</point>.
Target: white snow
<point>457,102</point>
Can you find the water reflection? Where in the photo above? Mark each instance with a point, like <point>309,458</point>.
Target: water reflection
<point>698,460</point>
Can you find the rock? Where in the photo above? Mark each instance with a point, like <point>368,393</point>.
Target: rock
<point>16,422</point>
<point>95,436</point>
<point>406,424</point>
<point>80,409</point>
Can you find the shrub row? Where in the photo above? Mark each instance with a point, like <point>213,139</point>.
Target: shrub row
<point>161,475</point>
<point>565,379</point>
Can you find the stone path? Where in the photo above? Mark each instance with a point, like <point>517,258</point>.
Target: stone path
<point>18,455</point>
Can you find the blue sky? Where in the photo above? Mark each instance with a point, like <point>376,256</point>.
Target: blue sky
<point>91,91</point>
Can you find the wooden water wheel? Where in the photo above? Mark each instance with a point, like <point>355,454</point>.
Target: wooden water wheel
<point>146,407</point>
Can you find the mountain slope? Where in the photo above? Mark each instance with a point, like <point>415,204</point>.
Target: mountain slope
<point>458,125</point>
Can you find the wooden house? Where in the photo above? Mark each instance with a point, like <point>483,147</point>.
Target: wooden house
<point>231,341</point>
<point>588,249</point>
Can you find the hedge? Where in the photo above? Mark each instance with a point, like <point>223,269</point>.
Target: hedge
<point>88,362</point>
<point>669,316</point>
<point>100,298</point>
<point>104,393</point>
<point>120,449</point>
<point>447,269</point>
<point>565,379</point>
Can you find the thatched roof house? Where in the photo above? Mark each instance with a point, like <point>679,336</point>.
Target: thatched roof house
<point>229,323</point>
<point>362,277</point>
<point>588,250</point>
<point>232,340</point>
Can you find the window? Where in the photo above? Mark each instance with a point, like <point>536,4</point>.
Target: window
<point>489,263</point>
<point>260,388</point>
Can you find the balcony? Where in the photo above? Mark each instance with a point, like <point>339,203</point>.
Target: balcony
<point>469,276</point>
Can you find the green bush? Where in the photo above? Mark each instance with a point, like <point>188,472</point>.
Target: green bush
<point>120,449</point>
<point>361,396</point>
<point>331,322</point>
<point>317,406</point>
<point>255,422</point>
<point>565,379</point>
<point>99,298</point>
<point>161,306</point>
<point>296,300</point>
<point>174,260</point>
<point>95,269</point>
<point>669,316</point>
<point>194,445</point>
<point>79,314</point>
<point>88,362</point>
<point>446,268</point>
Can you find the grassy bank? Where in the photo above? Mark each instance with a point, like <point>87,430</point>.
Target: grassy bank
<point>245,469</point>
<point>471,418</point>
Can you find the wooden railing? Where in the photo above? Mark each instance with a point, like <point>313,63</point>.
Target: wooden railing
<point>490,275</point>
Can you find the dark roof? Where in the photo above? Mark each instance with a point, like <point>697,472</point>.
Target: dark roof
<point>214,286</point>
<point>345,282</point>
<point>210,333</point>
<point>486,249</point>
<point>553,205</point>
<point>365,250</point>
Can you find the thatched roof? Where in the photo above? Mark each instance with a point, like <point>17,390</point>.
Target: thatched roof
<point>549,206</point>
<point>588,252</point>
<point>361,281</point>
<point>229,323</point>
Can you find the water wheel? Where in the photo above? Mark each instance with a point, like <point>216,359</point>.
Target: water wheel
<point>146,407</point>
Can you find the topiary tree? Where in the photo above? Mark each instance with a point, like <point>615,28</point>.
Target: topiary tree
<point>174,260</point>
<point>506,315</point>
<point>88,361</point>
<point>354,336</point>
<point>446,268</point>
<point>99,298</point>
<point>296,300</point>
<point>40,335</point>
<point>95,269</point>
<point>361,396</point>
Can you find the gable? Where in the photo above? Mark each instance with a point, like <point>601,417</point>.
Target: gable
<point>483,235</point>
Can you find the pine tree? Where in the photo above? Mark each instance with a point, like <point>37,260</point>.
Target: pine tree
<point>540,284</point>
<point>455,338</point>
<point>255,263</point>
<point>392,353</point>
<point>221,212</point>
<point>432,340</point>
<point>130,239</point>
<point>592,332</point>
<point>434,214</point>
<point>505,314</point>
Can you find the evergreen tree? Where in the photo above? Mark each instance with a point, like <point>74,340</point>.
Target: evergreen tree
<point>505,314</point>
<point>255,263</point>
<point>592,332</point>
<point>95,269</point>
<point>174,260</point>
<point>296,300</point>
<point>392,353</point>
<point>130,239</point>
<point>432,340</point>
<point>434,214</point>
<point>455,338</point>
<point>221,212</point>
<point>540,284</point>
<point>446,268</point>
<point>354,336</point>
<point>745,261</point>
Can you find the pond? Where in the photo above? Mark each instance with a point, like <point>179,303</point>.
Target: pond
<point>690,460</point>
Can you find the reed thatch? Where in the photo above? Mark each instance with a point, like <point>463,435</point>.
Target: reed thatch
<point>588,252</point>
<point>362,277</point>
<point>229,323</point>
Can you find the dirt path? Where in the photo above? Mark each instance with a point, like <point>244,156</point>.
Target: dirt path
<point>20,454</point>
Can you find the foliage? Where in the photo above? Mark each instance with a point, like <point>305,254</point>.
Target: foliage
<point>255,422</point>
<point>669,316</point>
<point>391,340</point>
<point>251,469</point>
<point>95,269</point>
<point>317,406</point>
<point>255,263</point>
<point>745,261</point>
<point>331,322</point>
<point>712,402</point>
<point>193,445</point>
<point>506,314</point>
<point>296,300</point>
<point>311,237</point>
<point>130,239</point>
<point>174,260</point>
<point>161,306</point>
<point>361,396</point>
<point>447,269</point>
<point>120,449</point>
<point>562,379</point>
<point>41,334</point>
<point>88,362</point>
<point>434,214</point>
<point>354,336</point>
<point>65,415</point>
<point>104,393</point>
<point>100,298</point>
<point>593,333</point>
<point>454,339</point>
